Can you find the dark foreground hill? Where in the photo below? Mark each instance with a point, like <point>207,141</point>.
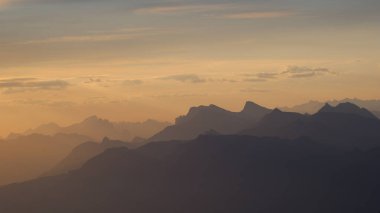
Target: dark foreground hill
<point>221,174</point>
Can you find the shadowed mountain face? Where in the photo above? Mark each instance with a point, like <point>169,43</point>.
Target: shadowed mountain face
<point>344,126</point>
<point>210,174</point>
<point>82,153</point>
<point>98,128</point>
<point>205,118</point>
<point>27,157</point>
<point>314,106</point>
<point>347,108</point>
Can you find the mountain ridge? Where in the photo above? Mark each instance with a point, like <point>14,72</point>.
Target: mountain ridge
<point>205,118</point>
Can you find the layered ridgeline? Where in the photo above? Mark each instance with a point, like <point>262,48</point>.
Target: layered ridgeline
<point>212,119</point>
<point>98,128</point>
<point>36,151</point>
<point>210,174</point>
<point>343,126</point>
<point>26,157</point>
<point>84,152</point>
<point>312,107</point>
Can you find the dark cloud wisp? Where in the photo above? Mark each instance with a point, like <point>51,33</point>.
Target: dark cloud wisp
<point>305,72</point>
<point>187,78</point>
<point>27,84</point>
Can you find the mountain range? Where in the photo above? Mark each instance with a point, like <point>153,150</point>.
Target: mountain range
<point>98,128</point>
<point>215,160</point>
<point>312,107</point>
<point>212,118</point>
<point>84,152</point>
<point>344,126</point>
<point>210,174</point>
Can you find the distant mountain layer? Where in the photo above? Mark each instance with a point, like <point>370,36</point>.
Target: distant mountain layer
<point>314,106</point>
<point>344,126</point>
<point>28,157</point>
<point>98,128</point>
<point>210,174</point>
<point>84,152</point>
<point>212,118</point>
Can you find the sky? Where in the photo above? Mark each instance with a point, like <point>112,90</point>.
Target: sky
<point>64,60</point>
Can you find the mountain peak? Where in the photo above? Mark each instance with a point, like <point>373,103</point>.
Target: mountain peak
<point>276,110</point>
<point>249,105</point>
<point>347,108</point>
<point>254,111</point>
<point>326,108</point>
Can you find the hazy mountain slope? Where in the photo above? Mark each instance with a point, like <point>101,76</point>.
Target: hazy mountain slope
<point>144,129</point>
<point>211,174</point>
<point>45,129</point>
<point>344,126</point>
<point>98,128</point>
<point>27,157</point>
<point>205,118</point>
<point>82,153</point>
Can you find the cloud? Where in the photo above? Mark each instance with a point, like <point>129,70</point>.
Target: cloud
<point>26,84</point>
<point>305,72</point>
<point>258,15</point>
<point>101,36</point>
<point>181,9</point>
<point>190,78</point>
<point>132,82</point>
<point>82,38</point>
<point>261,77</point>
<point>252,90</point>
<point>290,72</point>
<point>255,80</point>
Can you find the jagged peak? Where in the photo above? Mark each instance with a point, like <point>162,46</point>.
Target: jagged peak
<point>205,108</point>
<point>347,108</point>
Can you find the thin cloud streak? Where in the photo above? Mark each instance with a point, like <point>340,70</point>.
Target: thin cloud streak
<point>258,15</point>
<point>25,84</point>
<point>176,9</point>
<point>117,35</point>
<point>191,78</point>
<point>305,72</point>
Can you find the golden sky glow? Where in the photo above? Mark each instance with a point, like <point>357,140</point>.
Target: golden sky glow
<point>63,60</point>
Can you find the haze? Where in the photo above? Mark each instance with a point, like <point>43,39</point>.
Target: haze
<point>63,60</point>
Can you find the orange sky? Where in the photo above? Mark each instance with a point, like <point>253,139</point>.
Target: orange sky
<point>64,60</point>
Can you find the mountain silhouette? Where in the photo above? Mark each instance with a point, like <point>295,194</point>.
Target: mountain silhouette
<point>45,129</point>
<point>27,157</point>
<point>82,153</point>
<point>205,118</point>
<point>210,174</point>
<point>348,108</point>
<point>98,128</point>
<point>313,107</point>
<point>344,126</point>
